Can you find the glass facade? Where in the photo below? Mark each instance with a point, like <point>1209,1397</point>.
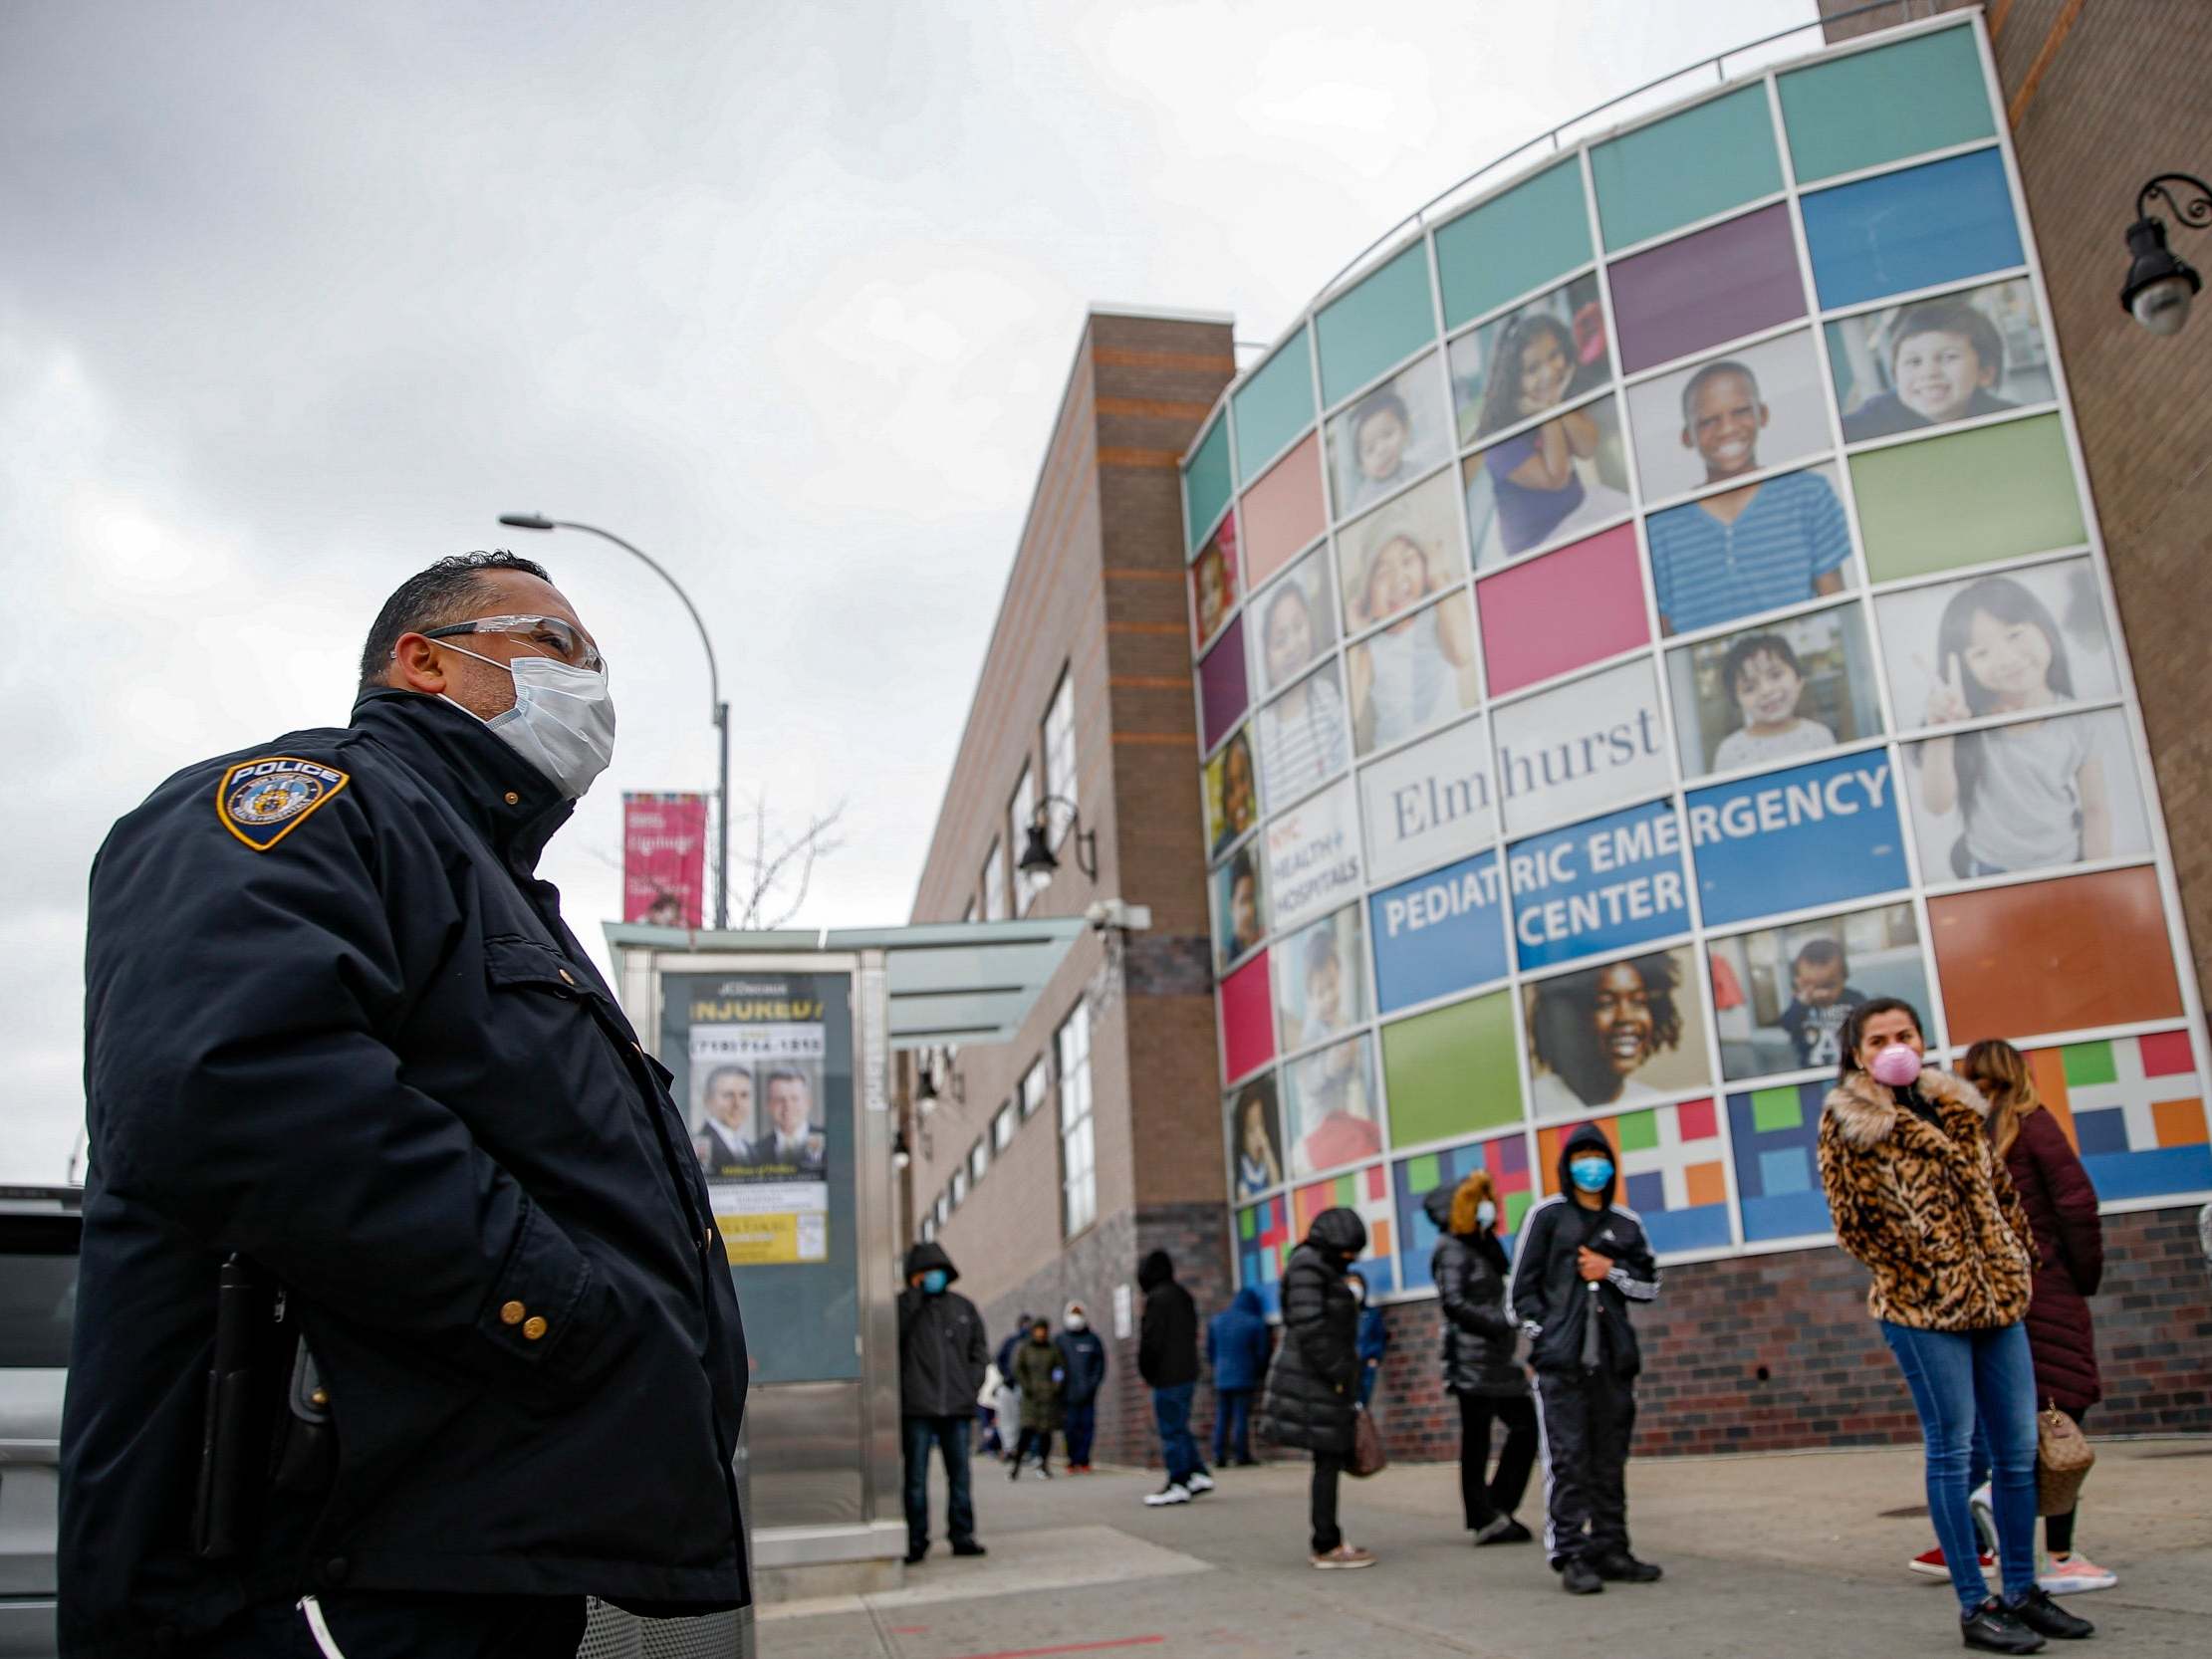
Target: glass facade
<point>1669,613</point>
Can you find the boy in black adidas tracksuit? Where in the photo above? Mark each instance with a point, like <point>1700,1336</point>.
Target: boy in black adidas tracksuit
<point>1580,1261</point>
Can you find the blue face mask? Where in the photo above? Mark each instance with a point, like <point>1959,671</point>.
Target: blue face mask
<point>934,1281</point>
<point>1591,1174</point>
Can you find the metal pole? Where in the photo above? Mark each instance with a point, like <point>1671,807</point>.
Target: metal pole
<point>537,521</point>
<point>722,817</point>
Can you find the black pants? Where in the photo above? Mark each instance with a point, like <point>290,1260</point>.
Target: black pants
<point>1327,1467</point>
<point>367,1624</point>
<point>1039,1441</point>
<point>1484,1503</point>
<point>1586,1418</point>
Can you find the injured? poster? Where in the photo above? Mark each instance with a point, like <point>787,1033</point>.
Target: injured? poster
<point>755,1048</point>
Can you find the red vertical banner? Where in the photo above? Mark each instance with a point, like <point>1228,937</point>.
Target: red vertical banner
<point>664,858</point>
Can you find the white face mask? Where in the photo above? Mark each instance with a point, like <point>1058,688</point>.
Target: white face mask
<point>563,721</point>
<point>1075,1321</point>
<point>1486,1213</point>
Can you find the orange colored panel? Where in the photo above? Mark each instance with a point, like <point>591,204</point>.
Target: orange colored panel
<point>1706,1183</point>
<point>2179,1122</point>
<point>2051,956</point>
<point>1283,512</point>
<point>2047,1067</point>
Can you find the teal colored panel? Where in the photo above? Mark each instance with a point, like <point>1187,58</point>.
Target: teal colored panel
<point>1513,244</point>
<point>1384,321</point>
<point>1274,406</point>
<point>1870,108</point>
<point>1687,168</point>
<point>1206,484</point>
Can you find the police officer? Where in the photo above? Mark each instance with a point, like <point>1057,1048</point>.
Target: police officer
<point>349,1071</point>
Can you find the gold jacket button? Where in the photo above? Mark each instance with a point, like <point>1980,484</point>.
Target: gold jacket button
<point>513,800</point>
<point>511,1313</point>
<point>533,1327</point>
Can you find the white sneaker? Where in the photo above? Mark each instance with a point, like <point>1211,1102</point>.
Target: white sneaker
<point>1199,1482</point>
<point>1169,1494</point>
<point>1980,1505</point>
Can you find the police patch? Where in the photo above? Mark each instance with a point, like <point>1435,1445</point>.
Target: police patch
<point>262,802</point>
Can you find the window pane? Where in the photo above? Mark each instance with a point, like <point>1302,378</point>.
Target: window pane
<point>1018,814</point>
<point>1034,1085</point>
<point>1060,755</point>
<point>1002,1127</point>
<point>994,884</point>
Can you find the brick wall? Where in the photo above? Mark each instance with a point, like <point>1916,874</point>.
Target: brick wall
<point>1763,1353</point>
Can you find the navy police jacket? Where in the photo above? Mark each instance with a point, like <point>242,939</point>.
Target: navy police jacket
<point>335,1025</point>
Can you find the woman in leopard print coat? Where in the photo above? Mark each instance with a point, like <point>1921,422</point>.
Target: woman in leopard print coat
<point>1918,1195</point>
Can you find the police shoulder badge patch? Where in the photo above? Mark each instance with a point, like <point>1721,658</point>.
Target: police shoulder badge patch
<point>263,801</point>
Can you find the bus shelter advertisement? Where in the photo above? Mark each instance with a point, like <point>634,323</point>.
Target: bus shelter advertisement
<point>755,1051</point>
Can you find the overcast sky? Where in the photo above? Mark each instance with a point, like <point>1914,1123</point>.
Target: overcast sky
<point>296,298</point>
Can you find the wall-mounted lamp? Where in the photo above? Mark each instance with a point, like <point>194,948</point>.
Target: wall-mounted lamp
<point>928,1091</point>
<point>1038,860</point>
<point>900,1157</point>
<point>2159,285</point>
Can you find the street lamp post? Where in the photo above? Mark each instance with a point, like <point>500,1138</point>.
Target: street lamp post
<point>537,521</point>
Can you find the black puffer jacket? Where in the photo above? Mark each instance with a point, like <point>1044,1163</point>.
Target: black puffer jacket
<point>1313,1388</point>
<point>942,1353</point>
<point>1479,1338</point>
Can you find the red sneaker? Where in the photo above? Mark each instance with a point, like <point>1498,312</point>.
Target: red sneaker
<point>1930,1563</point>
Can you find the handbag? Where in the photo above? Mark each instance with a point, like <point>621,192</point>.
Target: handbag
<point>1367,1454</point>
<point>2063,1459</point>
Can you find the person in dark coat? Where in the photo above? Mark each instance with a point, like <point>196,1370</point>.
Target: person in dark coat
<point>942,1355</point>
<point>1167,1360</point>
<point>1583,1261</point>
<point>1040,1375</point>
<point>1469,1268</point>
<point>1313,1390</point>
<point>2061,1202</point>
<point>1082,1356</point>
<point>350,1076</point>
<point>1236,1351</point>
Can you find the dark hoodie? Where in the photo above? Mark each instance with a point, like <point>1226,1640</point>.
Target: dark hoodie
<point>942,1353</point>
<point>1313,1392</point>
<point>1469,1270</point>
<point>1237,1342</point>
<point>1549,1299</point>
<point>1168,1342</point>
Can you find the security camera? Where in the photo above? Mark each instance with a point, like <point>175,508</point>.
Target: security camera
<point>1113,912</point>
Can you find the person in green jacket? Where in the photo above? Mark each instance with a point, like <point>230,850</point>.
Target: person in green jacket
<point>1040,1375</point>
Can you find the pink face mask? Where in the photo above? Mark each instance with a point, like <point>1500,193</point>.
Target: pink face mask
<point>1896,1065</point>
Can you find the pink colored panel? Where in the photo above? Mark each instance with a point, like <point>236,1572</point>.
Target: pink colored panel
<point>1695,1119</point>
<point>2166,1054</point>
<point>1555,614</point>
<point>1247,1021</point>
<point>1282,513</point>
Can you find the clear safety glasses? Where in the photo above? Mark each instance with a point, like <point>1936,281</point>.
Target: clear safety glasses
<point>550,635</point>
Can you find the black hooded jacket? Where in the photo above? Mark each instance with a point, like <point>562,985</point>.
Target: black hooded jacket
<point>335,1025</point>
<point>1549,1298</point>
<point>1313,1388</point>
<point>1167,1340</point>
<point>1479,1337</point>
<point>942,1353</point>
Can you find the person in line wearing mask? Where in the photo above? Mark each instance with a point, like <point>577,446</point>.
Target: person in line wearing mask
<point>1082,1356</point>
<point>1167,1360</point>
<point>1040,1375</point>
<point>942,1355</point>
<point>1313,1390</point>
<point>1469,1268</point>
<point>358,1101</point>
<point>1236,1353</point>
<point>1583,1260</point>
<point>1919,1195</point>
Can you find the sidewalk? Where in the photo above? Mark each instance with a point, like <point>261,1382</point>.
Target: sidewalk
<point>1800,1556</point>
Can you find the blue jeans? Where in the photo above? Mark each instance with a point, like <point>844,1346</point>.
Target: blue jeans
<point>1959,1378</point>
<point>950,1436</point>
<point>1171,1413</point>
<point>1232,1424</point>
<point>1082,1425</point>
